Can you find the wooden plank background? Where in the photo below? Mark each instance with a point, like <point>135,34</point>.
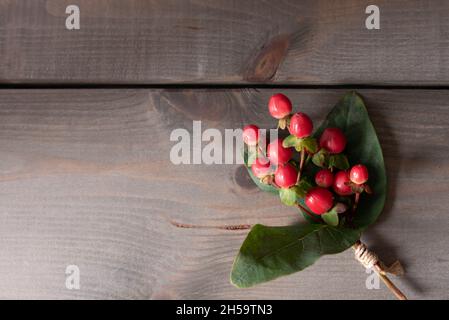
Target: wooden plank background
<point>85,179</point>
<point>225,41</point>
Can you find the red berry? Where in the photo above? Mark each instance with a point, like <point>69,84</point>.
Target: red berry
<point>358,174</point>
<point>319,200</point>
<point>324,178</point>
<point>300,125</point>
<point>285,176</point>
<point>341,183</point>
<point>277,153</point>
<point>260,168</point>
<point>333,140</point>
<point>251,134</point>
<point>279,106</point>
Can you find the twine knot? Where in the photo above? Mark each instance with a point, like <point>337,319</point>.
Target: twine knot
<point>363,255</point>
<point>369,259</point>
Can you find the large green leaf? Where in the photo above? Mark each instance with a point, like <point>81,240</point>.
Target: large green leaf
<point>351,116</point>
<point>271,252</point>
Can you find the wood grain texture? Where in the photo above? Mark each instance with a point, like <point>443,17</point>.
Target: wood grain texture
<point>224,41</point>
<point>85,179</point>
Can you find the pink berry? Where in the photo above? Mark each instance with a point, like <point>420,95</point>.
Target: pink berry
<point>319,200</point>
<point>279,106</point>
<point>251,134</point>
<point>358,174</point>
<point>324,178</point>
<point>277,153</point>
<point>300,125</point>
<point>333,140</point>
<point>341,183</point>
<point>260,168</point>
<point>285,176</point>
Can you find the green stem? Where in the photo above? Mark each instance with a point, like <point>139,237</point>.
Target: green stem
<point>310,214</point>
<point>301,165</point>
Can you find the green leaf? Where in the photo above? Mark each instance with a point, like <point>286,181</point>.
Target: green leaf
<point>271,252</point>
<point>310,144</point>
<point>321,159</point>
<point>339,161</point>
<point>289,141</point>
<point>351,116</point>
<point>288,196</point>
<point>302,188</point>
<point>331,218</point>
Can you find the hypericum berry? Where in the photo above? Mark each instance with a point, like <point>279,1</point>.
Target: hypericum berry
<point>285,175</point>
<point>251,134</point>
<point>358,174</point>
<point>319,200</point>
<point>279,106</point>
<point>261,168</point>
<point>300,125</point>
<point>277,153</point>
<point>342,183</point>
<point>333,140</point>
<point>324,178</point>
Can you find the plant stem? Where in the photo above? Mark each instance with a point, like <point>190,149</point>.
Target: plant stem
<point>356,202</point>
<point>310,214</point>
<point>390,285</point>
<point>259,150</point>
<point>301,165</point>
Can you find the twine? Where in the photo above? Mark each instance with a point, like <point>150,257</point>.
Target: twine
<point>362,254</point>
<point>369,259</point>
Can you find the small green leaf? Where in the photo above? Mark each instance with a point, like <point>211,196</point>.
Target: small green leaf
<point>320,159</point>
<point>288,196</point>
<point>270,252</point>
<point>331,218</point>
<point>339,208</point>
<point>289,141</point>
<point>310,144</point>
<point>302,188</point>
<point>339,161</point>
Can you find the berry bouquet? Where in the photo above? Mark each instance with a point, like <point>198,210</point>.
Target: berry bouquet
<point>336,178</point>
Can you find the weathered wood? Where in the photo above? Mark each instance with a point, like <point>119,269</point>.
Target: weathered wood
<point>223,41</point>
<point>85,179</point>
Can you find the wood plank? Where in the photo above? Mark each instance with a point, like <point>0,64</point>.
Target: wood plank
<point>85,179</point>
<point>225,41</point>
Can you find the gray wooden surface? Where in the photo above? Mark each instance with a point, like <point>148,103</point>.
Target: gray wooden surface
<point>85,179</point>
<point>224,41</point>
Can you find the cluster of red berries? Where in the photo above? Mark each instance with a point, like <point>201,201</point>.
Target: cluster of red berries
<point>344,183</point>
<point>278,167</point>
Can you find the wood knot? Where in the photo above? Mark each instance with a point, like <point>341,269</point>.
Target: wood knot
<point>243,179</point>
<point>268,59</point>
